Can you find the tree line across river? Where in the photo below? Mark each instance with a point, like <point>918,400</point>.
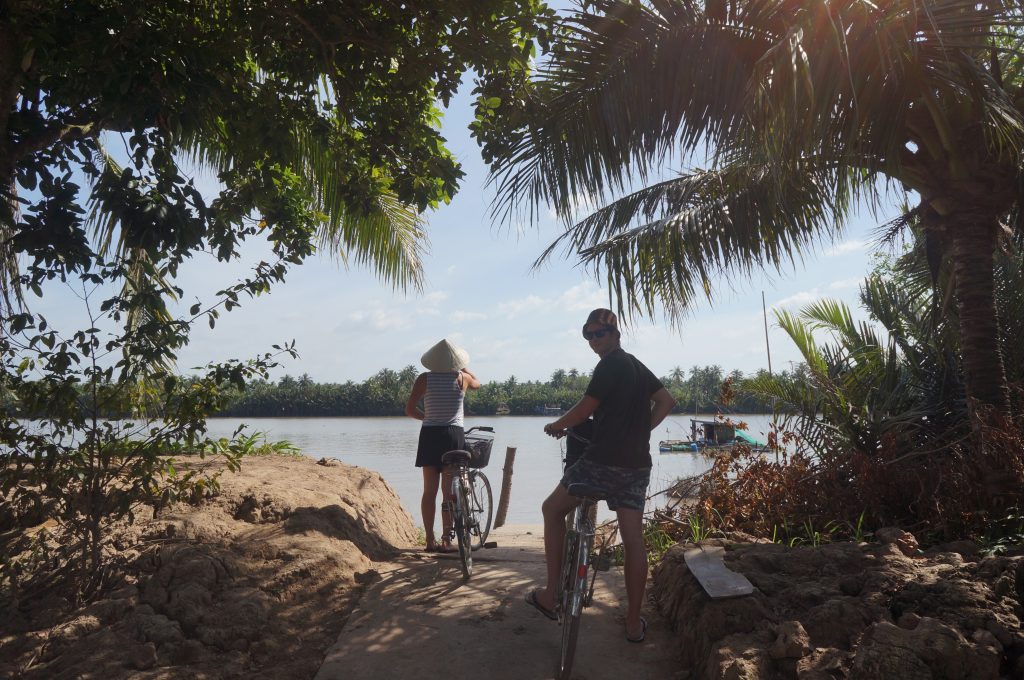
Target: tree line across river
<point>385,394</point>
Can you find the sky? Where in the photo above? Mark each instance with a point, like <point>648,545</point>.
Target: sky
<point>483,294</point>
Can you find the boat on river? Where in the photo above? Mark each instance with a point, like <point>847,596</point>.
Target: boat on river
<point>502,410</point>
<point>711,434</point>
<point>677,445</point>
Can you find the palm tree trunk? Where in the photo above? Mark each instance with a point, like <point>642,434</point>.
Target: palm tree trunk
<point>984,374</point>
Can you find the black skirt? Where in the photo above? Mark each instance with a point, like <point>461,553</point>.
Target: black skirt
<point>437,440</point>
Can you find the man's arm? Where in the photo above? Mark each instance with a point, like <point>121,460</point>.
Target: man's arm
<point>664,402</point>
<point>583,409</point>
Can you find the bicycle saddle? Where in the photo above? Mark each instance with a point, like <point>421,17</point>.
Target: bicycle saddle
<point>456,457</point>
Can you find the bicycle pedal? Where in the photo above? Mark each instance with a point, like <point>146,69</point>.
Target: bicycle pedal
<point>602,562</point>
<point>491,544</point>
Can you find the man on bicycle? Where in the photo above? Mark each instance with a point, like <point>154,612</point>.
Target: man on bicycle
<point>627,401</point>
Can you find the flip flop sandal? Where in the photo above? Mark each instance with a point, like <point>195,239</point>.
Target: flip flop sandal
<point>531,599</point>
<point>643,632</point>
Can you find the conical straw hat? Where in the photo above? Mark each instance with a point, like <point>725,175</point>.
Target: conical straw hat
<point>444,356</point>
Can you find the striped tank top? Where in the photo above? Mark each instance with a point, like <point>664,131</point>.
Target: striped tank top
<point>442,403</point>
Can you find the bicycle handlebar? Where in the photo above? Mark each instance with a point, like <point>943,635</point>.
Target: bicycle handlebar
<point>482,428</point>
<point>572,433</point>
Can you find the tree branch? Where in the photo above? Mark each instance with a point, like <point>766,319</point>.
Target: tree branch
<point>55,133</point>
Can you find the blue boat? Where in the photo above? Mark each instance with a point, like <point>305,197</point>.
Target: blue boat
<point>711,434</point>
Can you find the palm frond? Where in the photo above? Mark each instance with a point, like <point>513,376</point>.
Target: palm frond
<point>634,84</point>
<point>381,232</point>
<point>697,227</point>
<point>391,239</point>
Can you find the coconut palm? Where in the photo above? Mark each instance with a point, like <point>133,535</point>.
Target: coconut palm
<point>899,380</point>
<point>806,107</point>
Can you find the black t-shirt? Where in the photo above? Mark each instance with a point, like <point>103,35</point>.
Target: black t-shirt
<point>622,421</point>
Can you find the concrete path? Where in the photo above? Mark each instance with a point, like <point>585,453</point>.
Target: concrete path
<point>422,620</point>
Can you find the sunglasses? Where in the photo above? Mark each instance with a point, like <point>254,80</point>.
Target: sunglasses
<point>600,333</point>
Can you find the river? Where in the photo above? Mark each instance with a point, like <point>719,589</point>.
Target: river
<point>388,445</point>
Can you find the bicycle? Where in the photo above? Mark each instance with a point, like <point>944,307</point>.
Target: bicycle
<point>471,505</point>
<point>579,562</point>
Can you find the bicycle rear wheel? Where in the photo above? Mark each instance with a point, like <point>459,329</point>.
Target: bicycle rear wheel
<point>480,506</point>
<point>461,523</point>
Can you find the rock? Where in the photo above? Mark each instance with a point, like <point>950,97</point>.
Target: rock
<point>112,609</point>
<point>869,613</point>
<point>966,549</point>
<point>328,462</point>
<point>904,540</point>
<point>148,626</point>
<point>825,663</point>
<point>837,622</point>
<point>79,627</point>
<point>189,651</point>
<point>143,656</point>
<point>932,651</point>
<point>740,657</point>
<point>791,642</point>
<point>851,584</point>
<point>984,638</point>
<point>1000,633</point>
<point>909,621</point>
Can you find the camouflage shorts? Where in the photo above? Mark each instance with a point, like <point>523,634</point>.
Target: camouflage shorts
<point>623,487</point>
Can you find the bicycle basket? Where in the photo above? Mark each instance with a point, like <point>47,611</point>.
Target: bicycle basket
<point>479,445</point>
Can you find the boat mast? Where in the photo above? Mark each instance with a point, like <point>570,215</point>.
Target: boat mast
<point>764,311</point>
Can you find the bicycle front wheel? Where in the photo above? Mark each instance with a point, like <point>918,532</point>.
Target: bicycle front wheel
<point>575,580</point>
<point>461,523</point>
<point>480,505</point>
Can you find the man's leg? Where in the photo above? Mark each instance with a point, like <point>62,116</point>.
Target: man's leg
<point>555,508</point>
<point>631,529</point>
<point>428,502</point>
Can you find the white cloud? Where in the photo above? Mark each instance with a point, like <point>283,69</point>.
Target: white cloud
<point>845,283</point>
<point>846,247</point>
<point>583,296</point>
<point>526,304</point>
<point>380,320</point>
<point>459,316</point>
<point>802,298</point>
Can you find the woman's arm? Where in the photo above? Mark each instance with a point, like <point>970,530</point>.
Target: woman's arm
<point>412,405</point>
<point>469,381</point>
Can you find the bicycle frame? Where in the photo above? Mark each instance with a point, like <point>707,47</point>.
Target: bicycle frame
<point>576,568</point>
<point>466,507</point>
<point>579,562</point>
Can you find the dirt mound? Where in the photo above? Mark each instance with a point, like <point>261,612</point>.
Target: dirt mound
<point>862,612</point>
<point>256,582</point>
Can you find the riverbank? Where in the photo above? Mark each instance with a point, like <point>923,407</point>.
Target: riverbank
<point>254,583</point>
<point>280,574</point>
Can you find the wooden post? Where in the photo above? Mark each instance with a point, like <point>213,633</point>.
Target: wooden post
<point>506,486</point>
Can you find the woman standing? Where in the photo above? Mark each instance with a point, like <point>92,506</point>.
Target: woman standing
<point>442,390</point>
